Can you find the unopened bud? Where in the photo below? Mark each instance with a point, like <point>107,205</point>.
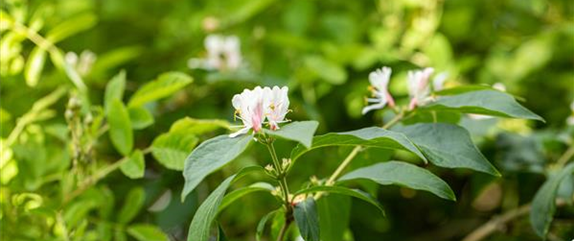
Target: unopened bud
<point>286,163</point>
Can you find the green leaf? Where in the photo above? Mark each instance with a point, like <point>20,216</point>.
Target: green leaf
<point>343,191</point>
<point>115,89</point>
<point>261,224</point>
<point>544,202</point>
<point>132,205</point>
<point>327,70</point>
<point>485,102</point>
<point>34,66</point>
<point>134,167</point>
<point>200,226</point>
<point>209,156</point>
<point>140,117</point>
<point>146,232</point>
<point>367,137</point>
<point>121,132</point>
<point>71,26</point>
<point>165,85</point>
<point>307,219</point>
<point>198,126</point>
<point>447,145</point>
<point>334,216</point>
<point>171,149</point>
<point>256,187</point>
<point>403,174</point>
<point>299,131</point>
<point>246,10</point>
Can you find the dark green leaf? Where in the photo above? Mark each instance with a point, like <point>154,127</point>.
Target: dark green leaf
<point>544,202</point>
<point>485,102</point>
<point>307,219</point>
<point>261,224</point>
<point>368,137</point>
<point>343,191</point>
<point>146,232</point>
<point>140,117</point>
<point>171,149</point>
<point>448,146</point>
<point>165,85</point>
<point>403,174</point>
<point>115,89</point>
<point>132,205</point>
<point>233,196</point>
<point>299,131</point>
<point>209,156</point>
<point>334,216</point>
<point>200,226</point>
<point>34,66</point>
<point>121,132</point>
<point>134,167</point>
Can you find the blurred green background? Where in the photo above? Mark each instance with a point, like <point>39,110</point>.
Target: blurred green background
<point>324,51</point>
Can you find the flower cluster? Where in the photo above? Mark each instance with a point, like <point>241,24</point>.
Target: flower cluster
<point>223,53</point>
<point>83,63</point>
<point>259,106</point>
<point>417,83</point>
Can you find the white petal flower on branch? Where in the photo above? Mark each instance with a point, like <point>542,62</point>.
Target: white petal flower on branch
<point>276,105</point>
<point>223,53</point>
<point>418,86</point>
<point>379,80</point>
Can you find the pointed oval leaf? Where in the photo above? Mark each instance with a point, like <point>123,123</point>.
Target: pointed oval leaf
<point>403,174</point>
<point>367,137</point>
<point>307,219</point>
<point>134,167</point>
<point>544,202</point>
<point>171,149</point>
<point>115,89</point>
<point>140,117</point>
<point>121,132</point>
<point>132,205</point>
<point>146,232</point>
<point>255,187</point>
<point>200,227</point>
<point>485,102</point>
<point>209,156</point>
<point>299,131</point>
<point>261,224</point>
<point>447,145</point>
<point>343,191</point>
<point>71,26</point>
<point>165,85</point>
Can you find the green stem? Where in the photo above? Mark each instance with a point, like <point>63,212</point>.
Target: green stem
<point>281,175</point>
<point>566,156</point>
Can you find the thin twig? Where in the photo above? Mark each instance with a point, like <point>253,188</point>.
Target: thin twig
<point>567,156</point>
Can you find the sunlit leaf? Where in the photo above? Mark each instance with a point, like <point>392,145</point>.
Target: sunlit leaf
<point>115,89</point>
<point>171,149</point>
<point>140,117</point>
<point>165,85</point>
<point>71,26</point>
<point>34,66</point>
<point>121,132</point>
<point>209,156</point>
<point>134,167</point>
<point>198,126</point>
<point>146,232</point>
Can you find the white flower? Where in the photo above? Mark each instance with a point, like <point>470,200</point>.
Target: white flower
<point>438,81</point>
<point>418,86</point>
<point>249,108</point>
<point>255,106</point>
<point>379,89</point>
<point>499,86</point>
<point>275,105</point>
<point>223,53</point>
<point>82,64</point>
<point>570,120</point>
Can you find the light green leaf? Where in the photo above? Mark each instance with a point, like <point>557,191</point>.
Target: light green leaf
<point>299,131</point>
<point>448,146</point>
<point>121,132</point>
<point>329,71</point>
<point>343,191</point>
<point>256,187</point>
<point>132,205</point>
<point>140,117</point>
<point>165,85</point>
<point>261,224</point>
<point>246,10</point>
<point>200,226</point>
<point>198,126</point>
<point>134,167</point>
<point>171,149</point>
<point>367,137</point>
<point>403,174</point>
<point>544,202</point>
<point>307,219</point>
<point>209,156</point>
<point>146,232</point>
<point>71,26</point>
<point>485,102</point>
<point>34,66</point>
<point>115,89</point>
